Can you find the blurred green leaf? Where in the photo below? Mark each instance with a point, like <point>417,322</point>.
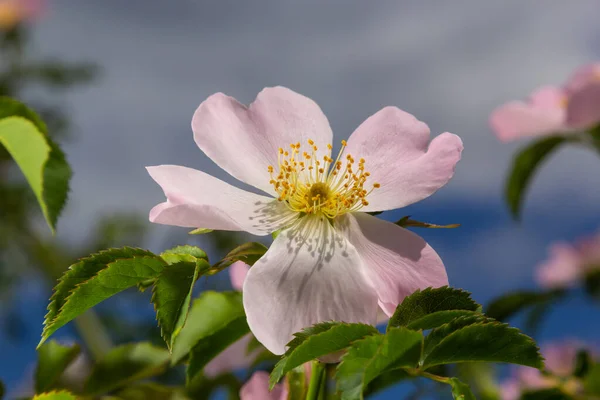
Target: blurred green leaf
<point>125,364</point>
<point>583,363</point>
<point>320,340</point>
<point>429,308</point>
<point>202,388</point>
<point>150,391</point>
<point>94,279</point>
<point>200,231</point>
<point>249,253</point>
<point>42,162</point>
<point>183,253</point>
<point>210,314</point>
<point>479,340</point>
<point>53,359</point>
<point>171,296</point>
<point>61,395</point>
<point>460,390</point>
<point>524,166</point>
<point>407,222</point>
<point>368,358</point>
<point>546,394</point>
<point>592,380</point>
<point>592,283</point>
<point>507,305</point>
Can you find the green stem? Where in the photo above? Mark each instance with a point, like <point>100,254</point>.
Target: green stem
<point>317,376</point>
<point>93,334</point>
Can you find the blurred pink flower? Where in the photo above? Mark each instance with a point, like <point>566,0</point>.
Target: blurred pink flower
<point>560,363</point>
<point>257,388</point>
<point>551,110</point>
<point>569,263</point>
<point>330,261</point>
<point>13,12</point>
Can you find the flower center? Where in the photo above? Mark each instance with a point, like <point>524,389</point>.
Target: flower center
<point>311,185</point>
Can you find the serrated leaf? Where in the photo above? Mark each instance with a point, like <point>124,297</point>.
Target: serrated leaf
<point>96,278</point>
<point>372,356</point>
<point>439,333</point>
<point>61,395</point>
<point>210,346</point>
<point>428,308</point>
<point>488,341</point>
<point>210,313</point>
<point>407,222</point>
<point>318,341</point>
<point>249,253</point>
<point>125,364</point>
<point>171,296</point>
<point>509,304</point>
<point>25,137</point>
<point>53,359</point>
<point>460,390</point>
<point>545,394</point>
<point>524,166</point>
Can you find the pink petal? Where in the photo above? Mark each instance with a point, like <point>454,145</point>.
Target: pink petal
<point>398,261</point>
<point>583,110</point>
<point>582,77</point>
<point>510,390</point>
<point>237,274</point>
<point>244,141</point>
<point>257,388</point>
<point>394,145</point>
<point>560,358</point>
<point>234,358</point>
<point>543,114</point>
<point>310,274</point>
<point>562,269</point>
<point>198,200</point>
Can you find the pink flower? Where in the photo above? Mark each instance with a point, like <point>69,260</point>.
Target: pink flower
<point>14,11</point>
<point>569,263</point>
<point>257,388</point>
<point>552,110</point>
<point>560,363</point>
<point>332,260</point>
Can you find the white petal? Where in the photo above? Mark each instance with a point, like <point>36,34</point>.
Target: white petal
<point>310,274</point>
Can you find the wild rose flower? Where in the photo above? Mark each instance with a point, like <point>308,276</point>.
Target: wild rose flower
<point>553,110</point>
<point>560,363</point>
<point>331,260</point>
<point>568,263</point>
<point>14,11</point>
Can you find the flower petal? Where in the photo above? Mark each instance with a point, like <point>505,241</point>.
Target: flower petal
<point>398,261</point>
<point>543,114</point>
<point>233,358</point>
<point>563,268</point>
<point>237,274</point>
<point>310,274</point>
<point>198,200</point>
<point>394,146</point>
<point>244,141</point>
<point>581,77</point>
<point>257,388</point>
<point>583,110</point>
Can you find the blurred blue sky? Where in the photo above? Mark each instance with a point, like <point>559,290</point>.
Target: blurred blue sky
<point>448,63</point>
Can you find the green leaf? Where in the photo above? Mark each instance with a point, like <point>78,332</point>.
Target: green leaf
<point>171,296</point>
<point>149,391</point>
<point>372,356</point>
<point>125,364</point>
<point>524,166</point>
<point>96,278</point>
<point>53,359</point>
<point>509,304</point>
<point>592,380</point>
<point>210,313</point>
<point>184,253</point>
<point>546,394</point>
<point>318,341</point>
<point>62,395</point>
<point>429,308</point>
<point>406,222</point>
<point>592,283</point>
<point>200,231</point>
<point>485,340</point>
<point>386,380</point>
<point>249,253</point>
<point>583,363</point>
<point>438,334</point>
<point>460,390</point>
<point>25,137</point>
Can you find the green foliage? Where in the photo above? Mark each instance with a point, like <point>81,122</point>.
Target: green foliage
<point>461,391</point>
<point>430,308</point>
<point>407,222</point>
<point>211,314</point>
<point>25,137</point>
<point>591,381</point>
<point>125,364</point>
<point>368,358</point>
<point>172,293</point>
<point>200,231</point>
<point>509,304</point>
<point>524,166</point>
<point>1,390</point>
<point>296,383</point>
<point>249,253</point>
<point>319,341</point>
<point>61,395</point>
<point>150,391</point>
<point>96,278</point>
<point>184,253</point>
<point>592,283</point>
<point>546,394</point>
<point>53,359</point>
